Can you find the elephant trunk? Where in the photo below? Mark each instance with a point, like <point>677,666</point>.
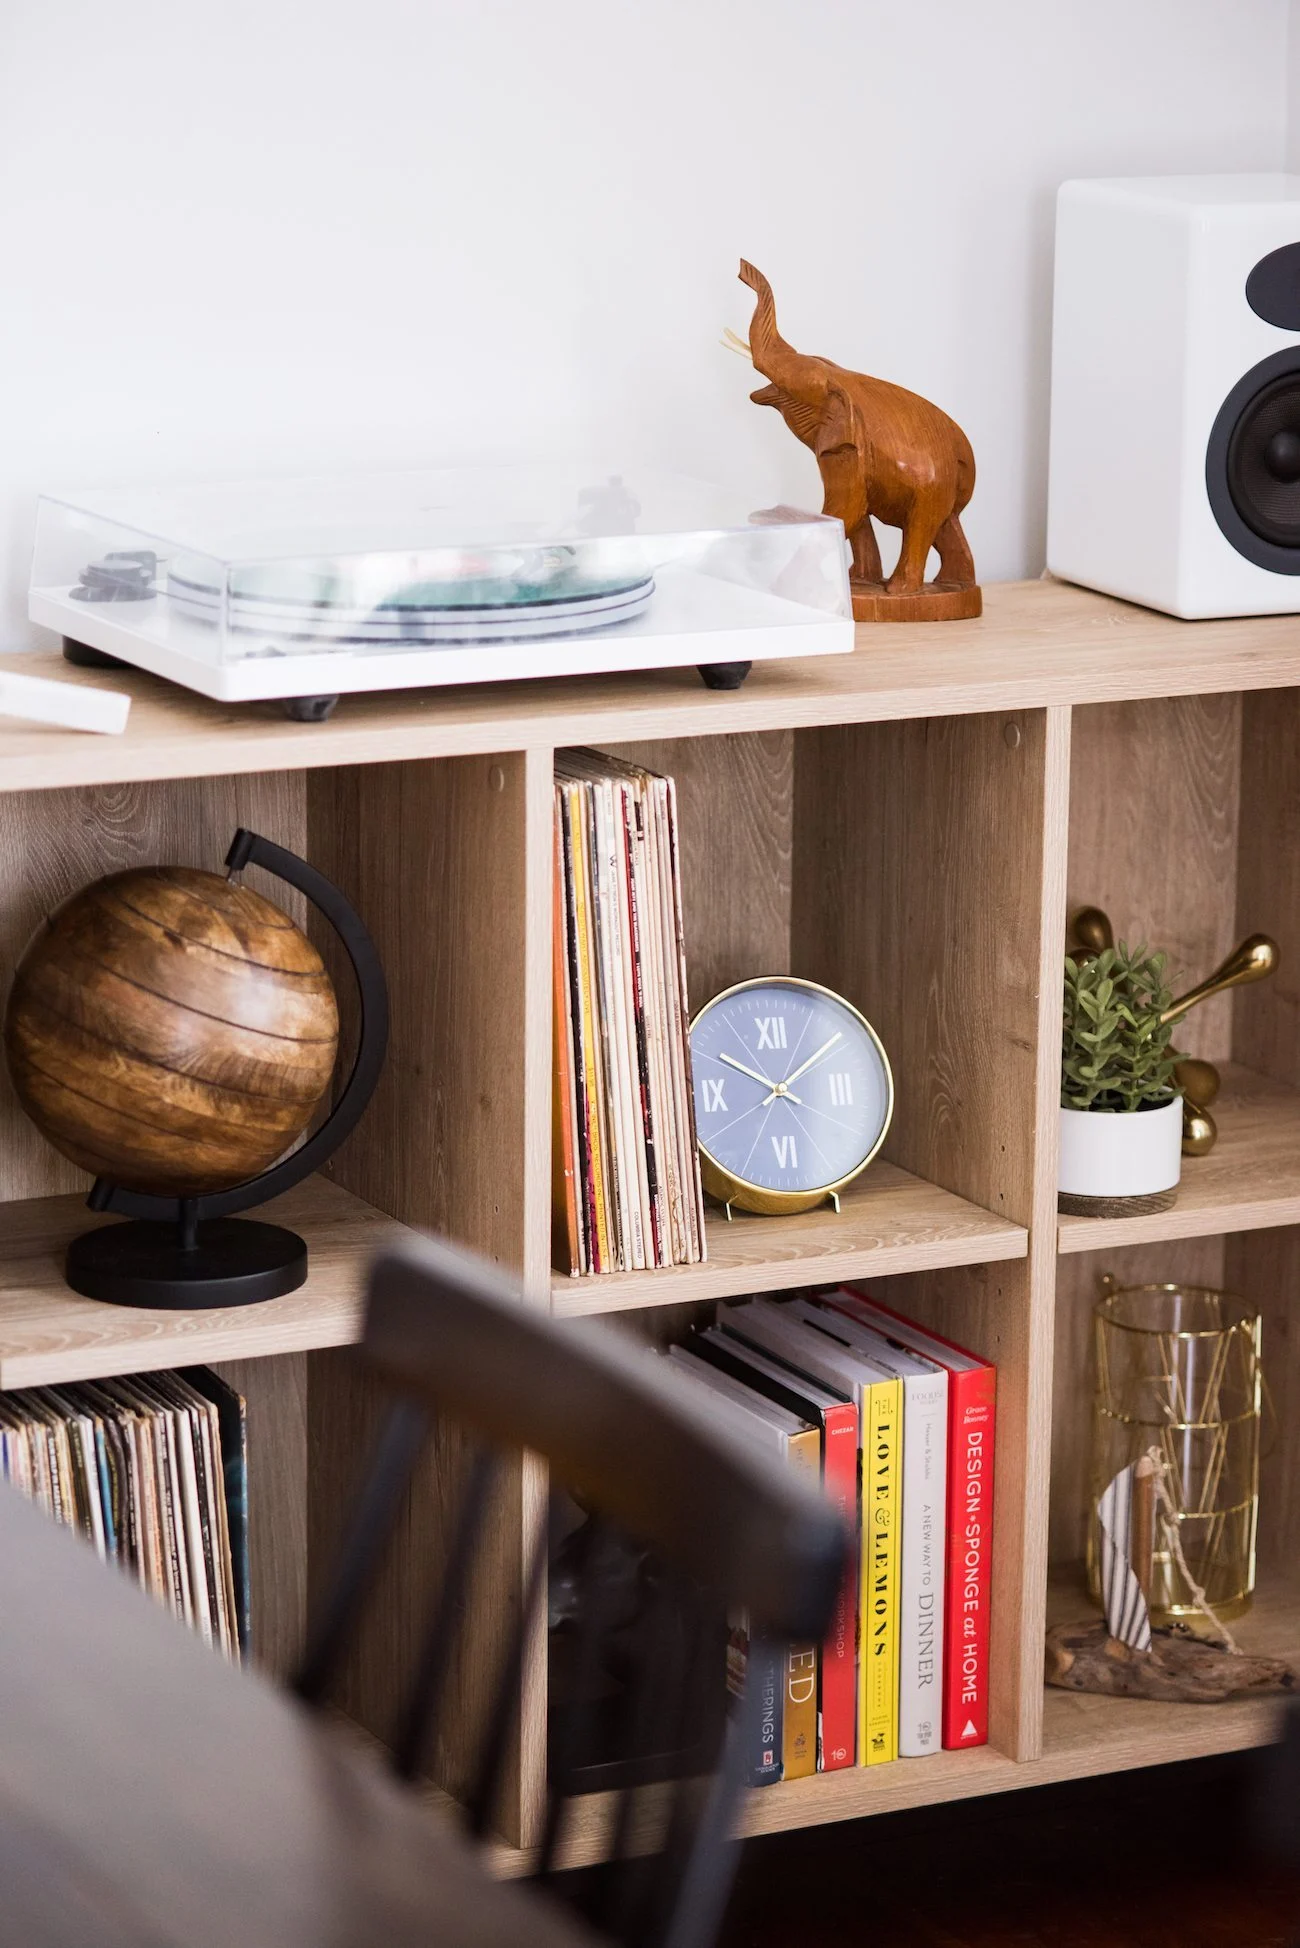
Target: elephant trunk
<point>766,345</point>
<point>794,376</point>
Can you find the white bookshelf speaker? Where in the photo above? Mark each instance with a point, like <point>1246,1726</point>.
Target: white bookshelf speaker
<point>1175,440</point>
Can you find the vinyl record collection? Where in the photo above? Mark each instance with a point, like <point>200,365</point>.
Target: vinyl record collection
<point>370,603</point>
<point>153,1470</point>
<point>627,1191</point>
<point>898,1424</point>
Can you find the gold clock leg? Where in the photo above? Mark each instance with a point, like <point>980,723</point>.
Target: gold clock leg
<point>727,1208</point>
<point>833,1199</point>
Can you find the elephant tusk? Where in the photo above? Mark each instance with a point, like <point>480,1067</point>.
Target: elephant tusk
<point>731,342</point>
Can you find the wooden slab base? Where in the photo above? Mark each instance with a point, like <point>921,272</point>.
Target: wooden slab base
<point>936,602</point>
<point>1116,1207</point>
<point>1178,1667</point>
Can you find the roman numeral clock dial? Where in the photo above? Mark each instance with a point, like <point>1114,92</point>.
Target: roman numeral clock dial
<point>793,1095</point>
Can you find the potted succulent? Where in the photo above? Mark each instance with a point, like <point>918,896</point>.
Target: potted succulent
<point>1121,1115</point>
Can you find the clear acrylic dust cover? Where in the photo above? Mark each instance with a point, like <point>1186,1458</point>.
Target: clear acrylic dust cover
<point>360,570</point>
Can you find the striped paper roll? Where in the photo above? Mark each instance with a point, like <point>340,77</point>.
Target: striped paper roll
<point>1127,1616</point>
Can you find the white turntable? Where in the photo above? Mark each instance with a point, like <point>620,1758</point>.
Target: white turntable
<point>308,589</point>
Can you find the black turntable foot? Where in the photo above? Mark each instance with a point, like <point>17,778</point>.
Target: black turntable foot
<point>724,676</point>
<point>87,658</point>
<point>310,710</point>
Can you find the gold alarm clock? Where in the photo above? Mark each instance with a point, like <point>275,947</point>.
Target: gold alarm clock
<point>793,1095</point>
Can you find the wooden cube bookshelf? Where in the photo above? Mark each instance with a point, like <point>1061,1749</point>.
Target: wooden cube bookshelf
<point>909,825</point>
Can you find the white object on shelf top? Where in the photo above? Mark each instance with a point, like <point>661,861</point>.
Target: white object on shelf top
<point>71,706</point>
<point>289,588</point>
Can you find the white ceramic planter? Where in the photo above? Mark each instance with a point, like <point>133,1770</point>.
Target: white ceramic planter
<point>1134,1153</point>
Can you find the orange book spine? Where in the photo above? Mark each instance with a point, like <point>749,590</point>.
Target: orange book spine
<point>799,1720</point>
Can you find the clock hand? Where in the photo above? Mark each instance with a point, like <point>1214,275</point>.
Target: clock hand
<point>783,1088</point>
<point>777,1088</point>
<point>753,1074</point>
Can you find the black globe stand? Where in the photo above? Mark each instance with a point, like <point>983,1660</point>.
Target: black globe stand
<point>190,1254</point>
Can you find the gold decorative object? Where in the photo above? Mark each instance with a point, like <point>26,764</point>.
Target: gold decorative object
<point>1171,1544</point>
<point>1090,932</point>
<point>1199,1082</point>
<point>1178,1373</point>
<point>1250,960</point>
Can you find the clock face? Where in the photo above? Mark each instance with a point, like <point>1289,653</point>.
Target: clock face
<point>792,1089</point>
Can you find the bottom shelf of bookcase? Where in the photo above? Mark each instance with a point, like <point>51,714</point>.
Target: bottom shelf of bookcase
<point>1082,1736</point>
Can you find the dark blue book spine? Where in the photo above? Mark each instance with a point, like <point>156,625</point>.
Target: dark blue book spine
<point>765,1711</point>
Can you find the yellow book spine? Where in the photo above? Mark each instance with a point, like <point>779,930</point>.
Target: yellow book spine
<point>799,1719</point>
<point>881,1504</point>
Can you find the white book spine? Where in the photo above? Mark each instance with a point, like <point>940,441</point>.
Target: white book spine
<point>925,1478</point>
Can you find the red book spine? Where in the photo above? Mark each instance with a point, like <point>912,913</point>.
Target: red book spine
<point>839,1672</point>
<point>970,1535</point>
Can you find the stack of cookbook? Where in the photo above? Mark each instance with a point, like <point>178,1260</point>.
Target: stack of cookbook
<point>627,1191</point>
<point>898,1424</point>
<point>153,1470</point>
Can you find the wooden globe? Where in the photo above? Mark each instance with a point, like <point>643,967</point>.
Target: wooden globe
<point>171,1030</point>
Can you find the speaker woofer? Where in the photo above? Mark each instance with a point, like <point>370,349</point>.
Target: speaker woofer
<point>1252,464</point>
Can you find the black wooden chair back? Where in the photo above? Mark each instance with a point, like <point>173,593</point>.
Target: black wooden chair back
<point>729,1529</point>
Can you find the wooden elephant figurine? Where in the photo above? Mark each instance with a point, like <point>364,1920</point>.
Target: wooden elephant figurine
<point>883,453</point>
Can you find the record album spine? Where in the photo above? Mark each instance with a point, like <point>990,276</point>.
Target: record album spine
<point>566,1219</point>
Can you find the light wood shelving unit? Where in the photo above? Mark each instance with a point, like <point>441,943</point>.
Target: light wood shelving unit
<point>908,825</point>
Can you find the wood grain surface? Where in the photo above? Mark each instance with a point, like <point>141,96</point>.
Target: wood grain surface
<point>917,894</point>
<point>275,1391</point>
<point>49,1333</point>
<point>1037,1327</point>
<point>1153,838</point>
<point>449,865</point>
<point>735,807</point>
<point>171,1030</point>
<point>1037,643</point>
<point>1266,1019</point>
<point>889,1222</point>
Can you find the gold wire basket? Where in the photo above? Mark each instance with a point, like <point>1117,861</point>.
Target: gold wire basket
<point>1178,1369</point>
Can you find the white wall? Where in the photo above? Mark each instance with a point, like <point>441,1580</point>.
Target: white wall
<point>270,236</point>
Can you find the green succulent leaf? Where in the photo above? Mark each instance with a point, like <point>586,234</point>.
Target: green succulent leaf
<point>1116,1052</point>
